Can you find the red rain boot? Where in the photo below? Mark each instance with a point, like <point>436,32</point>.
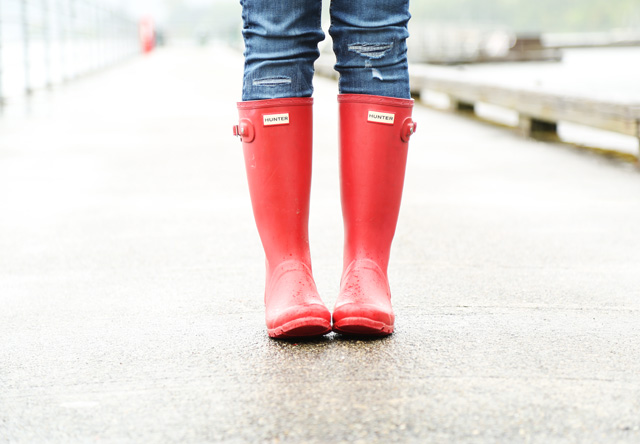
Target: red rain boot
<point>374,136</point>
<point>276,137</point>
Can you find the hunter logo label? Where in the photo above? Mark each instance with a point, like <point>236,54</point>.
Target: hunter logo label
<point>275,119</point>
<point>378,117</point>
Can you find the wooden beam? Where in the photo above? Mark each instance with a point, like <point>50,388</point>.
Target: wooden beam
<point>541,106</point>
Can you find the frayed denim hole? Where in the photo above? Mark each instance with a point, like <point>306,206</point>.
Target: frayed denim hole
<point>272,81</point>
<point>370,50</point>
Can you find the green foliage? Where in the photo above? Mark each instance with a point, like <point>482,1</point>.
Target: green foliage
<point>533,15</point>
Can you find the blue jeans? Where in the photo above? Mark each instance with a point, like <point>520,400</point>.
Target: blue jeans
<point>281,43</point>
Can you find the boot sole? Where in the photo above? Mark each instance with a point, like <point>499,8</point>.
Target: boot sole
<point>301,328</point>
<point>362,326</point>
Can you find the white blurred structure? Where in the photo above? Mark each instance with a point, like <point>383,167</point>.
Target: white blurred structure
<point>46,42</point>
<point>448,43</point>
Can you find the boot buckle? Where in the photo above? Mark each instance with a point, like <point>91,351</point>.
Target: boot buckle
<point>244,130</point>
<point>408,129</point>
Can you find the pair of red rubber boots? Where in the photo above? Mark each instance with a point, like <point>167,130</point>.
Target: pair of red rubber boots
<point>277,144</point>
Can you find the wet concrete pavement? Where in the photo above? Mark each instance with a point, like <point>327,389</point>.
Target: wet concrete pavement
<point>131,280</point>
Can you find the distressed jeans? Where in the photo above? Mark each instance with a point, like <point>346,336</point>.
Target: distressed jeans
<point>281,44</point>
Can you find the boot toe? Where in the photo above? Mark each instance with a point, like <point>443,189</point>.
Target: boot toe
<point>363,319</point>
<point>300,321</point>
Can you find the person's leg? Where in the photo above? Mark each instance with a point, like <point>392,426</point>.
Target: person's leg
<point>276,130</point>
<point>375,127</point>
<point>281,43</point>
<point>369,40</point>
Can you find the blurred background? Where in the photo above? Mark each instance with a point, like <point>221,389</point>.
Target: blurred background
<point>57,39</point>
<point>585,48</point>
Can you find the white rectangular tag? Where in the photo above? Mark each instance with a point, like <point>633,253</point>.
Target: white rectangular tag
<point>378,117</point>
<point>275,119</point>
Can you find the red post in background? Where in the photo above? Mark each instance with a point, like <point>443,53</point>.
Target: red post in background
<point>147,34</point>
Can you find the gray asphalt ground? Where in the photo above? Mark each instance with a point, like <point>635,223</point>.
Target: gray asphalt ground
<point>131,279</point>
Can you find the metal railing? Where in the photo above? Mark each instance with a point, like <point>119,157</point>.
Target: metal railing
<point>48,42</point>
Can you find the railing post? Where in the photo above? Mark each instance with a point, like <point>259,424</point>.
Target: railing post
<point>62,36</point>
<point>92,9</point>
<point>1,32</point>
<point>461,106</point>
<point>25,46</point>
<point>71,61</point>
<point>99,42</point>
<point>537,128</point>
<point>46,34</point>
<point>638,139</point>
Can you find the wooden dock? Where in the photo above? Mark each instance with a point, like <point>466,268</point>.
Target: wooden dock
<point>539,111</point>
<point>454,45</point>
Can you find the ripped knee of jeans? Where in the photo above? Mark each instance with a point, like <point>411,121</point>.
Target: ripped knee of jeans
<point>272,81</point>
<point>370,50</point>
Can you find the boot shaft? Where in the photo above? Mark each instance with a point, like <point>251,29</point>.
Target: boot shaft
<point>277,139</point>
<point>374,136</point>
